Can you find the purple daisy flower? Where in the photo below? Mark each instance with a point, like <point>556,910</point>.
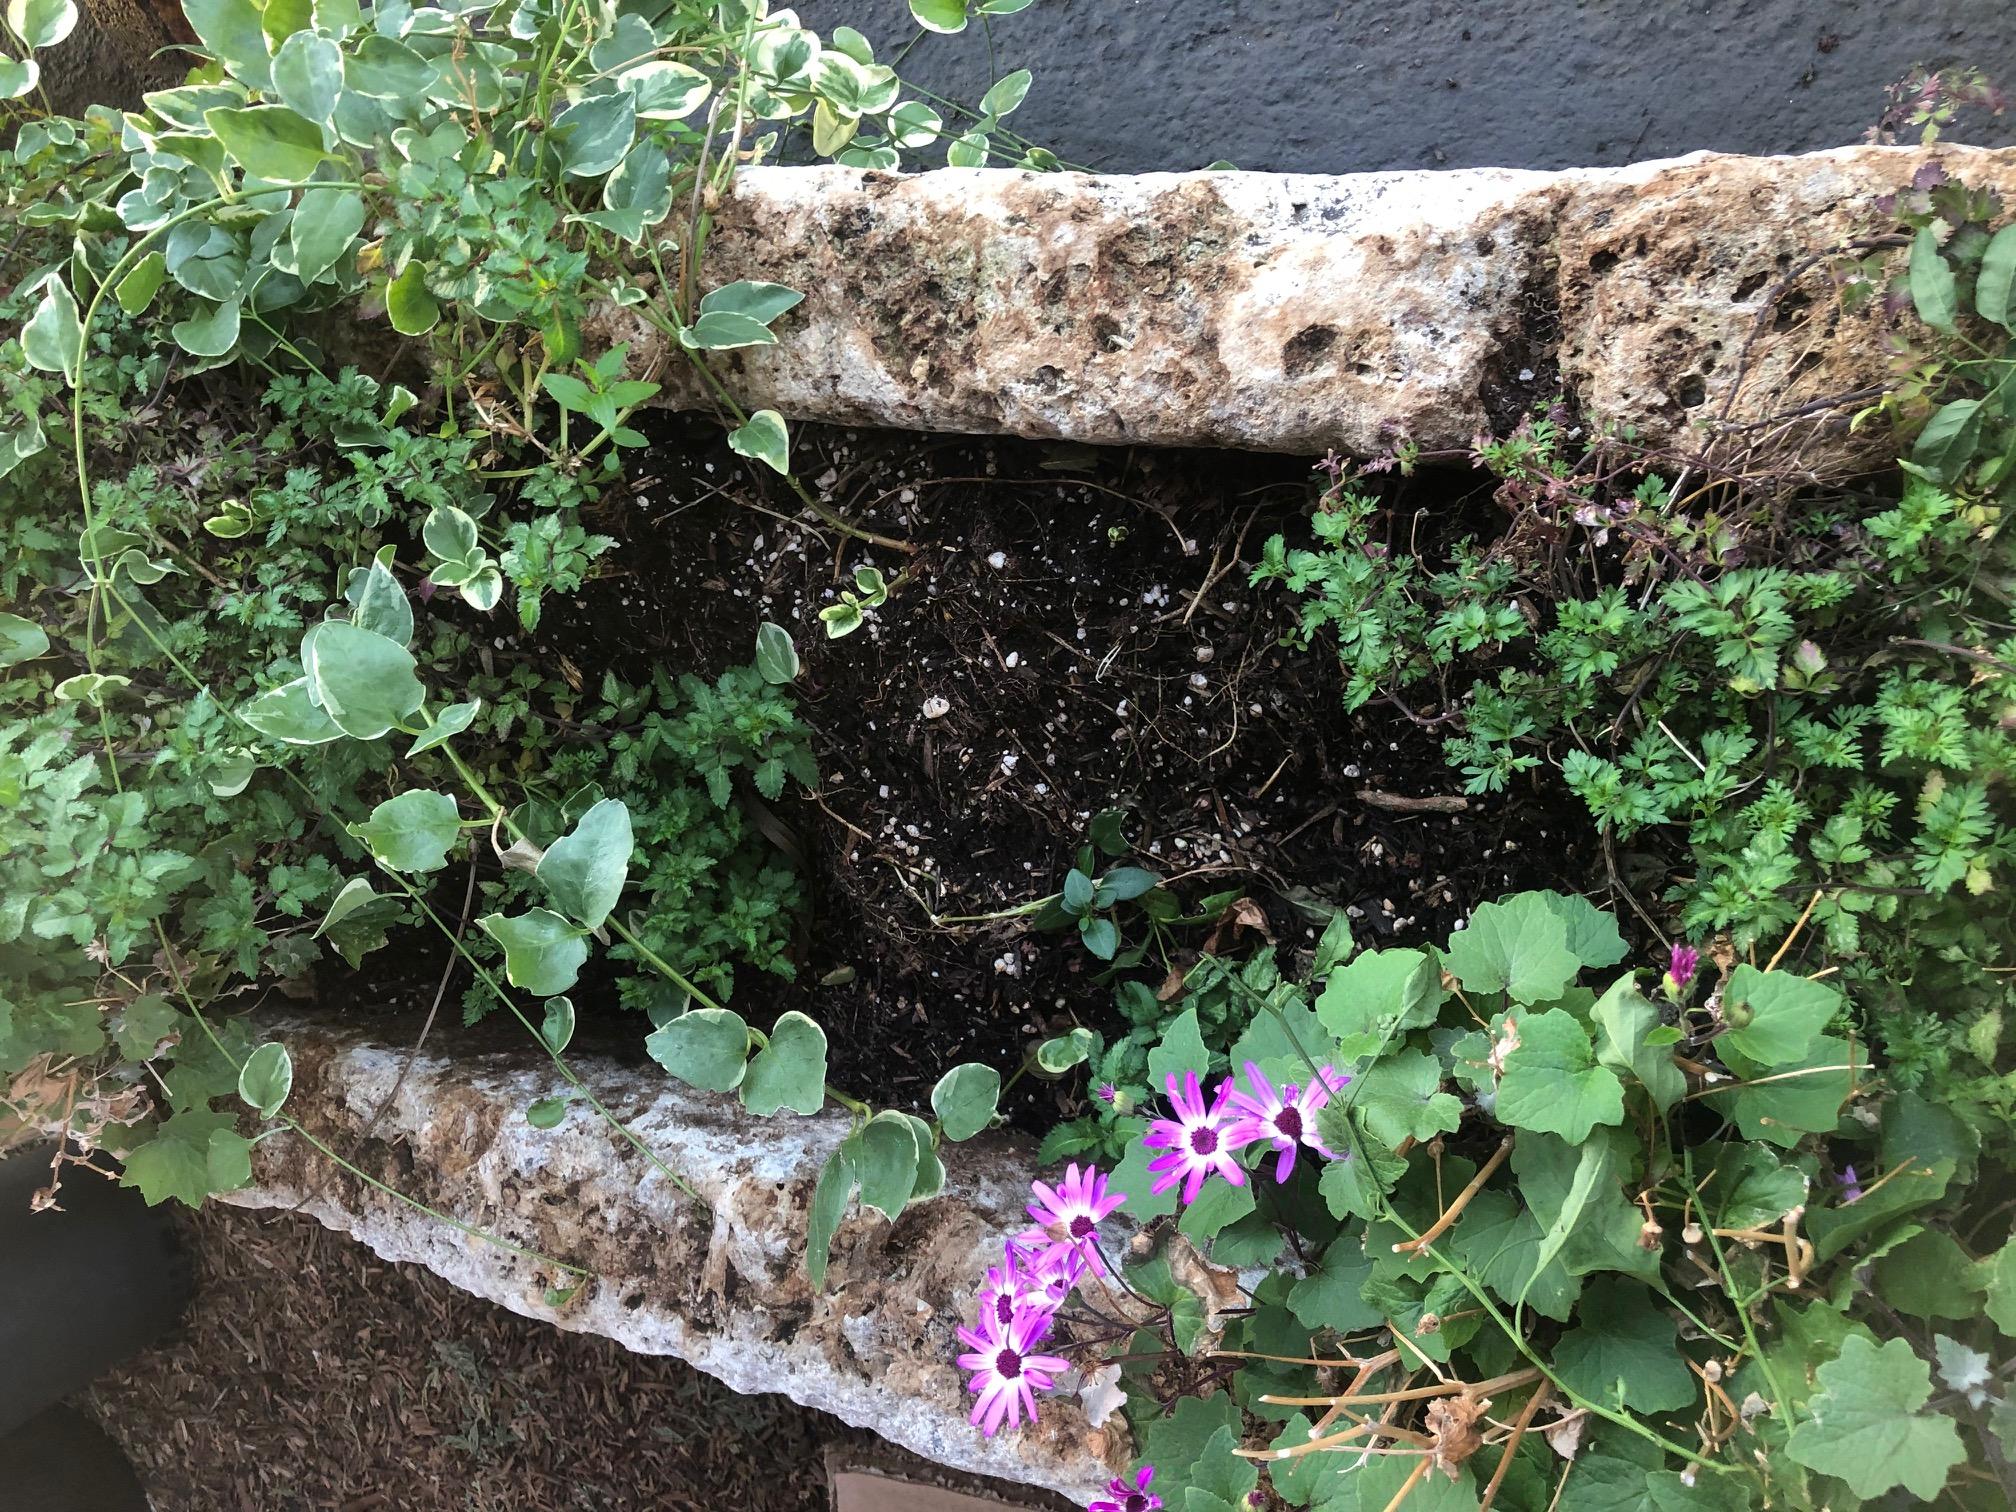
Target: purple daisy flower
<point>1121,1497</point>
<point>1014,1286</point>
<point>1006,1374</point>
<point>1067,1221</point>
<point>1681,964</point>
<point>1197,1141</point>
<point>1286,1118</point>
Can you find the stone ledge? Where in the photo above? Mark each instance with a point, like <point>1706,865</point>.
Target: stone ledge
<point>1296,313</point>
<point>719,1283</point>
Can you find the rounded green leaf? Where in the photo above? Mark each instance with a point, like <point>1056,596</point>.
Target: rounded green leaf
<point>266,1078</point>
<point>449,533</point>
<point>447,724</point>
<point>663,91</point>
<point>1056,1056</point>
<point>137,289</point>
<point>364,681</point>
<point>24,640</point>
<point>18,76</point>
<point>1007,93</point>
<point>761,302</point>
<point>41,23</point>
<point>557,1028</point>
<point>764,438</point>
<point>1518,947</point>
<point>408,304</point>
<point>290,714</point>
<point>706,1048</point>
<point>379,603</point>
<point>965,1099</point>
<point>383,68</point>
<point>308,75</point>
<point>886,1163</point>
<point>790,1071</point>
<point>914,124</point>
<point>270,142</point>
<point>940,15</point>
<point>210,332</point>
<point>542,951</point>
<point>412,832</point>
<point>322,229</point>
<point>1552,1082</point>
<point>50,338</point>
<point>776,656</point>
<point>585,869</point>
<point>234,32</point>
<point>547,1112</point>
<point>724,330</point>
<point>1933,291</point>
<point>829,1205</point>
<point>1775,1016</point>
<point>595,133</point>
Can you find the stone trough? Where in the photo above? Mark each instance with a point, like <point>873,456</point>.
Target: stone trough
<point>1212,309</point>
<point>1296,313</point>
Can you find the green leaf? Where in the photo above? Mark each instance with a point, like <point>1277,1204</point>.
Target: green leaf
<point>965,1099</point>
<point>1866,1427</point>
<point>362,680</point>
<point>379,604</point>
<point>887,1163</point>
<point>41,23</point>
<point>144,1025</point>
<point>1593,936</point>
<point>449,533</point>
<point>137,289</point>
<point>1217,1206</point>
<point>266,1079</point>
<point>193,1154</point>
<point>1329,1296</point>
<point>1945,447</point>
<point>706,1048</point>
<point>1499,1240</point>
<point>930,1169</point>
<point>1355,1184</point>
<point>1996,281</point>
<point>1930,1276</point>
<point>1100,935</point>
<point>764,438</point>
<point>1780,1014</point>
<point>1803,1097</point>
<point>829,1205</point>
<point>1176,1441</point>
<point>595,133</point>
<point>1747,1187</point>
<point>1624,1019</point>
<point>1999,1284</point>
<point>542,951</point>
<point>776,656</point>
<point>290,714</point>
<point>383,68</point>
<point>557,1028</point>
<point>790,1071</point>
<point>1552,1083</point>
<point>1181,1050</point>
<point>584,871</point>
<point>1383,1481</point>
<point>1381,993</point>
<point>358,919</point>
<point>1576,1195</point>
<point>1056,1056</point>
<point>234,33</point>
<point>211,332</point>
<point>1624,1352</point>
<point>308,75</point>
<point>914,124</point>
<point>1133,1177</point>
<point>722,330</point>
<point>547,1112</point>
<point>20,640</point>
<point>1400,1098</point>
<point>940,15</point>
<point>446,725</point>
<point>50,338</point>
<point>664,91</point>
<point>1222,1473</point>
<point>270,142</point>
<point>1008,93</point>
<point>760,302</point>
<point>1931,279</point>
<point>412,832</point>
<point>408,304</point>
<point>1518,947</point>
<point>91,688</point>
<point>322,229</point>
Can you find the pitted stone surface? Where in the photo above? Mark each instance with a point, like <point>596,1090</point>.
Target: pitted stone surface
<point>718,1282</point>
<point>1298,312</point>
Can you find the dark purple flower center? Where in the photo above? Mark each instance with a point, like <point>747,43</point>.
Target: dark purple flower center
<point>1289,1122</point>
<point>1204,1141</point>
<point>1081,1227</point>
<point>1004,1307</point>
<point>1136,1502</point>
<point>1008,1364</point>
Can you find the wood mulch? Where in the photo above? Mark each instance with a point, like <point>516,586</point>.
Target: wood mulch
<point>311,1376</point>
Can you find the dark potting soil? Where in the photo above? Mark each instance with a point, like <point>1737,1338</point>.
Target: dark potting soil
<point>1074,631</point>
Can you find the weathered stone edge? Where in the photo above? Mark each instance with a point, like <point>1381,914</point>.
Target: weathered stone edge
<point>721,1287</point>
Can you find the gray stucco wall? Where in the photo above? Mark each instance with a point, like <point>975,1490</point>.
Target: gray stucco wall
<point>1336,86</point>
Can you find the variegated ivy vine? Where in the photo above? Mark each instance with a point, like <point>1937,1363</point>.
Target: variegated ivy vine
<point>482,176</point>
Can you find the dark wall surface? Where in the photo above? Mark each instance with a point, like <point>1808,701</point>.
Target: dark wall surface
<point>1338,86</point>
